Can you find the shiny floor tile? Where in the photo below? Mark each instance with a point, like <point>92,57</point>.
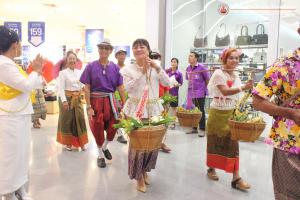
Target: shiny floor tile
<point>63,175</point>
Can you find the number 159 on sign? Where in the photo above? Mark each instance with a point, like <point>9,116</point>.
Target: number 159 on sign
<point>36,31</point>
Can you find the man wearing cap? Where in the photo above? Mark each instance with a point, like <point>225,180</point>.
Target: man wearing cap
<point>120,56</point>
<point>102,78</point>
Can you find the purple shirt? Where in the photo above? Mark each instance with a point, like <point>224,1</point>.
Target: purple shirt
<point>100,79</point>
<point>197,82</point>
<point>178,76</point>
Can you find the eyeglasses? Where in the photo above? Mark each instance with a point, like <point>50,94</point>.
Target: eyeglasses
<point>107,48</point>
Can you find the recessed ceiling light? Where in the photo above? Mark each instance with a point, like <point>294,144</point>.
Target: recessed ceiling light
<point>50,5</point>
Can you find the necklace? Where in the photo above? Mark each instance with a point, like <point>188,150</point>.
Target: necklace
<point>104,66</point>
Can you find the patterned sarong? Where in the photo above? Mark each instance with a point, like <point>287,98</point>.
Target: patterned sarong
<point>222,152</point>
<point>71,123</point>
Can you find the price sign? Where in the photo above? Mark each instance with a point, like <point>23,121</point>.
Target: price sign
<point>16,27</point>
<point>36,33</point>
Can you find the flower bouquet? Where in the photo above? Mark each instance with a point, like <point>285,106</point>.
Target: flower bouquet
<point>244,125</point>
<point>132,124</point>
<point>189,117</point>
<point>145,135</point>
<point>168,98</point>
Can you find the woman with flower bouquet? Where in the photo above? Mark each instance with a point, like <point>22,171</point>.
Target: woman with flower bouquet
<point>224,88</point>
<point>141,81</point>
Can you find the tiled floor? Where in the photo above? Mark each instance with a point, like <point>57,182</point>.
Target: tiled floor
<point>62,175</point>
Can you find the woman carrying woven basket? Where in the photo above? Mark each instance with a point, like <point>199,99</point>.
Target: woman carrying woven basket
<point>143,74</point>
<point>224,88</point>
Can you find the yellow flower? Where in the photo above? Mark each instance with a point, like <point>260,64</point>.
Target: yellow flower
<point>283,71</point>
<point>298,83</point>
<point>263,90</point>
<point>287,88</point>
<point>269,72</point>
<point>295,129</point>
<point>282,130</point>
<point>297,144</point>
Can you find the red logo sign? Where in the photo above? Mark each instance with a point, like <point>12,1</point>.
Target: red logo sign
<point>223,9</point>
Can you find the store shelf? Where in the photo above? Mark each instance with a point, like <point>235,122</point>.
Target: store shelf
<point>239,47</point>
<point>239,63</point>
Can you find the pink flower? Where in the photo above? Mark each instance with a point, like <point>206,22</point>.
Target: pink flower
<point>269,141</point>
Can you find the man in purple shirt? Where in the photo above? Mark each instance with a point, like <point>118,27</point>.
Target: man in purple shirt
<point>102,78</point>
<point>198,78</point>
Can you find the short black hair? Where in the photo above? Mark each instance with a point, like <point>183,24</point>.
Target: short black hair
<point>141,41</point>
<point>175,59</point>
<point>196,54</point>
<point>7,38</point>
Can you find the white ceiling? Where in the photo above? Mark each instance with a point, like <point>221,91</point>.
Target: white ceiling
<point>79,12</point>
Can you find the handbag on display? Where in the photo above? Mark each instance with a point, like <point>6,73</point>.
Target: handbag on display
<point>243,39</point>
<point>225,40</point>
<point>199,41</point>
<point>260,38</point>
<point>260,56</point>
<point>244,58</point>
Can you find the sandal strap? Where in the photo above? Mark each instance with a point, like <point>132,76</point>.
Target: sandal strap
<point>210,170</point>
<point>235,182</point>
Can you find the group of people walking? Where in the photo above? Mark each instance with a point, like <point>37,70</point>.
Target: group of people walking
<point>102,78</point>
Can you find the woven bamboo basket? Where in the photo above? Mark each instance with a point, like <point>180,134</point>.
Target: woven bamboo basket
<point>189,119</point>
<point>147,138</point>
<point>248,132</point>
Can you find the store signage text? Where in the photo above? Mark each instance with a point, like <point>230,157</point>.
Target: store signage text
<point>15,26</point>
<point>36,33</point>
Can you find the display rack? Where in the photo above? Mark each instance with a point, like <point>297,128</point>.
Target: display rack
<point>212,54</point>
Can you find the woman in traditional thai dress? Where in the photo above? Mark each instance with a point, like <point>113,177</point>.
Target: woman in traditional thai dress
<point>71,130</point>
<point>137,77</point>
<point>39,109</point>
<point>224,88</point>
<point>15,115</point>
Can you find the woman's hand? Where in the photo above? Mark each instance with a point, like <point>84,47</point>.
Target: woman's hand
<point>153,64</point>
<point>90,113</point>
<point>37,64</point>
<point>66,106</point>
<point>248,85</point>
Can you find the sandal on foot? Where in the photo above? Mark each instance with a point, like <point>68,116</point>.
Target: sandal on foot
<point>36,125</point>
<point>212,175</point>
<point>141,186</point>
<point>146,178</point>
<point>68,148</point>
<point>240,184</point>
